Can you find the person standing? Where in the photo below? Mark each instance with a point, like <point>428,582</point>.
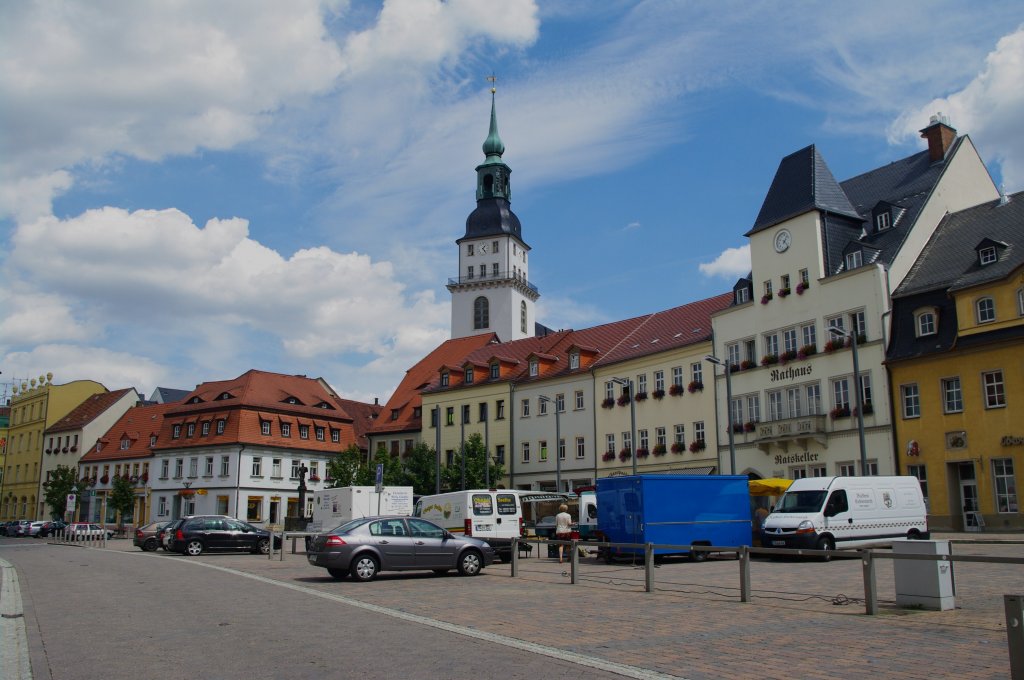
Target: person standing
<point>563,528</point>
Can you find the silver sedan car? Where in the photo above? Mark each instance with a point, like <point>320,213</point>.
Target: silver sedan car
<point>364,547</point>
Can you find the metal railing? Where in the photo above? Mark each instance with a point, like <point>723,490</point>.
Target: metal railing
<point>500,276</point>
<point>91,539</point>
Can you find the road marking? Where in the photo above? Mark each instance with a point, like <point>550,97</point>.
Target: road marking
<point>14,657</point>
<point>553,652</point>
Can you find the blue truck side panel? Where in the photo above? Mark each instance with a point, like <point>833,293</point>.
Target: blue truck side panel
<point>674,510</point>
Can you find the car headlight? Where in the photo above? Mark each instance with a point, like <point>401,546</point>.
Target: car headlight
<point>805,527</point>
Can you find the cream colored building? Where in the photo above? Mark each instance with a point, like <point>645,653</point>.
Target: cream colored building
<point>826,254</point>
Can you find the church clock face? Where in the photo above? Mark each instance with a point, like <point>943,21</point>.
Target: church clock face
<point>483,249</point>
<point>782,240</point>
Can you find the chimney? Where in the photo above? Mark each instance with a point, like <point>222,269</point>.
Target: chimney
<point>940,136</point>
<point>376,401</point>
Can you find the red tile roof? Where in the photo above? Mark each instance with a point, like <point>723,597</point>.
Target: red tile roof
<point>137,425</point>
<point>90,409</point>
<point>364,417</point>
<point>400,413</point>
<point>248,400</point>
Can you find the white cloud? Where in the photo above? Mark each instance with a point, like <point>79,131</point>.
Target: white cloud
<point>83,81</point>
<point>632,226</point>
<point>990,108</point>
<point>730,264</point>
<point>113,369</point>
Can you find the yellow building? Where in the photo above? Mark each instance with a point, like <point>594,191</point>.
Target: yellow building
<point>37,404</point>
<point>956,365</point>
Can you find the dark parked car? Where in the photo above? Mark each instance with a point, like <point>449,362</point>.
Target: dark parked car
<point>146,536</point>
<point>364,547</point>
<point>19,527</point>
<point>50,528</point>
<point>195,535</point>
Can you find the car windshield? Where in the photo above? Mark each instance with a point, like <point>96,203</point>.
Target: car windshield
<point>350,525</point>
<point>801,501</point>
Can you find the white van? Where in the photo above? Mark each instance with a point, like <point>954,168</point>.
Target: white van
<point>495,515</point>
<point>333,507</point>
<point>825,513</point>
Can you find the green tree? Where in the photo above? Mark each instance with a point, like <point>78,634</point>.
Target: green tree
<point>122,498</point>
<point>59,483</point>
<point>421,469</point>
<point>476,459</point>
<point>394,471</point>
<point>344,468</point>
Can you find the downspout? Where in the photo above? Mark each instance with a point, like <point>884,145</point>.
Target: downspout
<point>888,373</point>
<point>593,410</point>
<point>238,481</point>
<point>511,435</point>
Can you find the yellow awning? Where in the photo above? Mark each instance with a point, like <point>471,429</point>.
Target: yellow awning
<point>769,487</point>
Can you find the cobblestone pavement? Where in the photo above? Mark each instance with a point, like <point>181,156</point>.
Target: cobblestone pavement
<point>806,619</point>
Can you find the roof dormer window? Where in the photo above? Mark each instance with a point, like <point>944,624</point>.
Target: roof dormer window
<point>195,400</point>
<point>534,368</point>
<point>883,221</point>
<point>469,375</point>
<point>854,260</point>
<point>987,255</point>
<point>925,322</point>
<point>495,371</point>
<point>126,444</point>
<point>574,361</point>
<point>445,378</point>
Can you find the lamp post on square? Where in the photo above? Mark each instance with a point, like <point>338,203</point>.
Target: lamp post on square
<point>558,437</point>
<point>627,383</point>
<point>728,407</point>
<point>834,330</point>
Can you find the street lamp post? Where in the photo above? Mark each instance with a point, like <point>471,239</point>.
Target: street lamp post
<point>728,407</point>
<point>558,442</point>
<point>628,384</point>
<point>857,394</point>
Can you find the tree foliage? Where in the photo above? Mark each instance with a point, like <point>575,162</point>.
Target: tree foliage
<point>343,468</point>
<point>476,458</point>
<point>61,482</point>
<point>122,498</point>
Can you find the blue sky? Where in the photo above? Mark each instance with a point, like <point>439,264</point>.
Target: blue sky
<point>189,190</point>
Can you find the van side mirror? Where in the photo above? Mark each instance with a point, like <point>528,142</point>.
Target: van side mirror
<point>830,510</point>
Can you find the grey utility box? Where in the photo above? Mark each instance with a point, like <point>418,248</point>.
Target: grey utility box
<point>926,584</point>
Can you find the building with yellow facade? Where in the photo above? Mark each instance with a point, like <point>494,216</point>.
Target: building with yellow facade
<point>37,404</point>
<point>956,366</point>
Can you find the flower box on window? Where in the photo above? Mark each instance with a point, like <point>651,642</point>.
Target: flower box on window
<point>783,292</point>
<point>608,456</point>
<point>659,450</point>
<point>766,298</point>
<point>91,481</point>
<point>642,453</point>
<point>48,450</point>
<point>314,478</point>
<point>840,412</point>
<point>64,450</point>
<point>678,447</point>
<point>788,355</point>
<point>641,396</point>
<point>134,479</point>
<point>769,359</point>
<point>750,426</point>
<point>746,363</point>
<point>801,287</point>
<point>625,454</point>
<point>658,394</point>
<point>737,427</point>
<point>695,386</point>
<point>868,409</point>
<point>833,345</point>
<point>675,390</point>
<point>608,403</point>
<point>806,351</point>
<point>697,445</point>
<point>623,400</point>
<point>144,477</point>
<point>104,479</point>
<point>73,449</point>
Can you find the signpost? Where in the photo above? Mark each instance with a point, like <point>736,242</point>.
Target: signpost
<point>379,481</point>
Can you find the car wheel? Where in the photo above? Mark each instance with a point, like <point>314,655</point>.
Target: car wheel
<point>149,545</point>
<point>194,548</point>
<point>365,567</point>
<point>338,574</point>
<point>470,563</point>
<point>262,547</point>
<point>698,556</point>
<point>825,543</point>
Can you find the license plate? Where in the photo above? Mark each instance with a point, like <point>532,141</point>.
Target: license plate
<point>778,543</point>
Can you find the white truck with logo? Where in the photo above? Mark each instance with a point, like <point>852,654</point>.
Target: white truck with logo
<point>334,507</point>
<point>825,513</point>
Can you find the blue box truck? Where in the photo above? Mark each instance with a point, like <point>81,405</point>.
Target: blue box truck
<point>678,510</point>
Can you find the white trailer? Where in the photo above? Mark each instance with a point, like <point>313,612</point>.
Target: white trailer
<point>334,507</point>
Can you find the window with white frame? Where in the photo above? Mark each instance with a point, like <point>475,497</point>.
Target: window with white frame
<point>609,390</point>
<point>698,430</point>
<point>952,395</point>
<point>660,439</point>
<point>265,427</point>
<point>525,412</point>
<point>561,449</point>
<point>866,396</point>
<point>679,434</point>
<point>771,344</point>
<point>659,381</point>
<point>208,467</point>
<point>872,468</point>
<point>995,393</point>
<point>574,360</point>
<point>193,467</point>
<point>925,323</point>
<point>179,468</point>
<point>921,472</point>
<point>534,368</point>
<point>275,467</point>
<point>793,402</point>
<point>910,396</point>
<point>768,288</point>
<point>742,295</point>
<point>257,466</point>
<point>987,255</point>
<point>560,403</point>
<point>810,335</point>
<point>1006,485</point>
<point>609,443</point>
<point>581,449</point>
<point>495,370</point>
<point>854,259</point>
<point>335,435</point>
<point>813,393</point>
<point>319,433</point>
<point>225,465</point>
<point>627,441</point>
<point>542,407</point>
<point>736,411</point>
<point>836,322</point>
<point>841,393</point>
<point>697,372</point>
<point>789,340</point>
<point>732,350</point>
<point>206,427</point>
<point>161,510</point>
<point>579,400</point>
<point>641,383</point>
<point>221,425</point>
<point>846,469</point>
<point>775,411</point>
<point>303,431</point>
<point>176,431</point>
<point>526,452</point>
<point>860,326</point>
<point>190,430</point>
<point>643,439</point>
<point>165,465</point>
<point>882,221</point>
<point>753,408</point>
<point>986,308</point>
<point>296,465</point>
<point>677,375</point>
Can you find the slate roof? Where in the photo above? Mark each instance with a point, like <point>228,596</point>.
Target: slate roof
<point>138,424</point>
<point>167,395</point>
<point>949,259</point>
<point>89,410</point>
<point>246,401</point>
<point>406,397</point>
<point>493,217</point>
<point>803,182</point>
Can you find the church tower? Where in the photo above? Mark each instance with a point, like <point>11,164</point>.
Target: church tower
<point>493,293</point>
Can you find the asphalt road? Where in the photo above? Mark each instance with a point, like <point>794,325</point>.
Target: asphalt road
<point>116,614</point>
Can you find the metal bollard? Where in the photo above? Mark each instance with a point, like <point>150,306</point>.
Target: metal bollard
<point>744,574</point>
<point>515,557</point>
<point>1014,606</point>
<point>649,567</point>
<point>870,586</point>
<point>574,561</point>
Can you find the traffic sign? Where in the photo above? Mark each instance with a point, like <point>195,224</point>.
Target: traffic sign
<point>380,477</point>
<point>70,507</point>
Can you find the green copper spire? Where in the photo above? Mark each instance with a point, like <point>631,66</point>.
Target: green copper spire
<point>493,146</point>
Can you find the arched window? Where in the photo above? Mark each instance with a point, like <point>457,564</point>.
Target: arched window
<point>986,307</point>
<point>481,313</point>
<point>925,322</point>
<point>488,184</point>
<point>522,317</point>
